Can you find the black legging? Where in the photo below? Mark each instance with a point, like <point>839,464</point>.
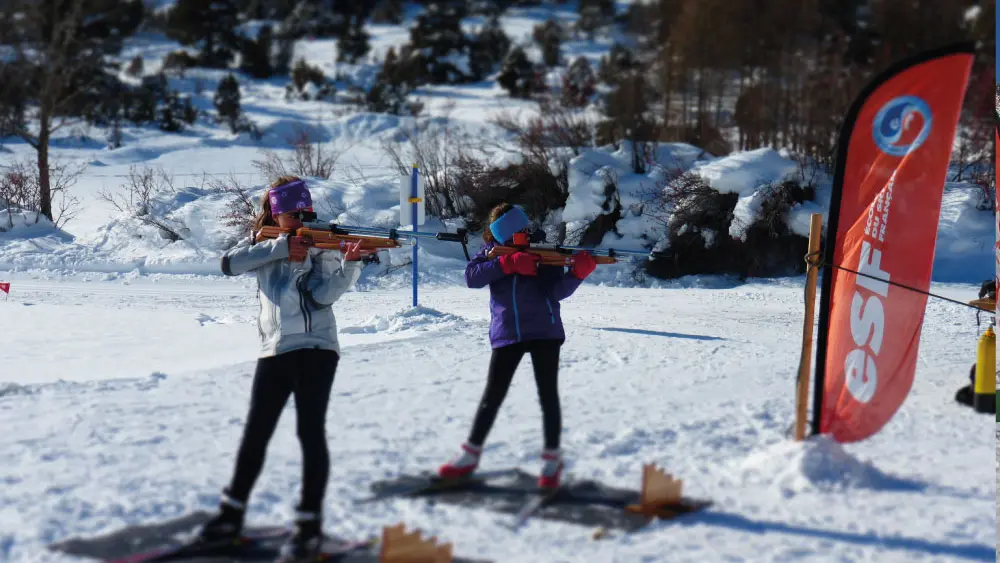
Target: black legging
<point>503,364</point>
<point>307,373</point>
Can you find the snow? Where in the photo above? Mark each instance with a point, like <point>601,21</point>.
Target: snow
<point>127,358</point>
<point>133,414</point>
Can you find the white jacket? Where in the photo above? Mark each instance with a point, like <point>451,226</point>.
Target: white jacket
<point>295,297</point>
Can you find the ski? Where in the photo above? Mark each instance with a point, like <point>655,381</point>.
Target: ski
<point>258,545</point>
<point>543,498</point>
<point>432,483</point>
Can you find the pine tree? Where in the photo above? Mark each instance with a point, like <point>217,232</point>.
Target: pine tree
<point>208,26</point>
<point>578,83</point>
<point>594,14</point>
<point>518,75</point>
<point>439,38</point>
<point>227,102</point>
<point>353,44</point>
<point>549,38</point>
<point>488,49</point>
<point>388,11</point>
<point>256,54</point>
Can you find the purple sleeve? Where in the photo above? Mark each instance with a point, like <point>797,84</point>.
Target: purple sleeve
<point>564,284</point>
<point>482,271</point>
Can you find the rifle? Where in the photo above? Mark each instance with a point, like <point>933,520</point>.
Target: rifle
<point>330,236</point>
<point>563,255</point>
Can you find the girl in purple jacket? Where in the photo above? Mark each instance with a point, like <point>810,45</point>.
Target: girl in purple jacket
<point>524,310</point>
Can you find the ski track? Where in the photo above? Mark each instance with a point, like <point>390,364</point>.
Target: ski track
<point>697,380</point>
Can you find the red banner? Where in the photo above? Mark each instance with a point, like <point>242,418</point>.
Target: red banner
<point>5,287</point>
<point>892,162</point>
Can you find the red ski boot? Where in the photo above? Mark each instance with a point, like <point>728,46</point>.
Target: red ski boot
<point>463,465</point>
<point>552,468</point>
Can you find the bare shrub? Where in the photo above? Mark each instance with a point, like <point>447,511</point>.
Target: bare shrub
<point>240,206</point>
<point>136,198</point>
<point>435,146</point>
<point>308,159</point>
<point>20,188</point>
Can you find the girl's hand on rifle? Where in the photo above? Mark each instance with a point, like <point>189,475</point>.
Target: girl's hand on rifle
<point>298,248</point>
<point>352,253</point>
<point>583,265</point>
<point>522,263</point>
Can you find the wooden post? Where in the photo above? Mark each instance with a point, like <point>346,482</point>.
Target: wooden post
<point>805,363</point>
<point>400,546</point>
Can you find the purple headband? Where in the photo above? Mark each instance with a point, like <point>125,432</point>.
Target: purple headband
<point>290,197</point>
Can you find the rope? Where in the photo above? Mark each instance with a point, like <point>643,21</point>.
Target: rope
<point>813,260</point>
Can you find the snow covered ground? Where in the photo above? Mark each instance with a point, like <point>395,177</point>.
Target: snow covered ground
<point>127,360</point>
<point>123,400</point>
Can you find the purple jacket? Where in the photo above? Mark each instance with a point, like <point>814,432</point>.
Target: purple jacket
<point>521,307</point>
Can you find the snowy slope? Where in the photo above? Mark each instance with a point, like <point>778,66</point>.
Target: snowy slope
<point>133,415</point>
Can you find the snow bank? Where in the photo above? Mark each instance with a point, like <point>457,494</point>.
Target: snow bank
<point>815,465</point>
<point>411,318</point>
<point>966,237</point>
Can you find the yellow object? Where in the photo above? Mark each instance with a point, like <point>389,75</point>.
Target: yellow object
<point>414,200</point>
<point>984,399</point>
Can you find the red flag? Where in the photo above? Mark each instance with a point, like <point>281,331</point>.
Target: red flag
<point>892,162</point>
<point>996,194</point>
<point>5,287</point>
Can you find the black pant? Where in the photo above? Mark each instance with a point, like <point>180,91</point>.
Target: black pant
<point>307,373</point>
<point>503,364</point>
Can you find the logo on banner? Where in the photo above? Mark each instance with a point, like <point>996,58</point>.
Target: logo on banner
<point>902,125</point>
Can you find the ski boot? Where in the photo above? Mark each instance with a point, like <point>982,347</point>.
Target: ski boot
<point>552,468</point>
<point>227,524</point>
<point>306,542</point>
<point>463,465</point>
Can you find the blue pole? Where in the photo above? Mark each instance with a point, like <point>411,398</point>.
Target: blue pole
<point>413,222</point>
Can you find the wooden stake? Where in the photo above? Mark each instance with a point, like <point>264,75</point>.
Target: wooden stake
<point>400,546</point>
<point>805,363</point>
<point>658,490</point>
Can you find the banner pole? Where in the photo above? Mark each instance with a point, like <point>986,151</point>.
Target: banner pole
<point>813,260</point>
<point>413,223</point>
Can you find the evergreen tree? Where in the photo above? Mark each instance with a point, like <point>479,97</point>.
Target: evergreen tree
<point>353,44</point>
<point>594,14</point>
<point>256,59</point>
<point>578,84</point>
<point>518,75</point>
<point>388,11</point>
<point>439,39</point>
<point>207,26</point>
<point>488,49</point>
<point>549,38</point>
<point>227,102</point>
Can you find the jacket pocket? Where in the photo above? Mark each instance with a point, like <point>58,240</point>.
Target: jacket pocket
<point>552,315</point>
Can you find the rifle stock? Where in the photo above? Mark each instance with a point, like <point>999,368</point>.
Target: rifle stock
<point>549,256</point>
<point>557,255</point>
<point>330,240</point>
<point>329,236</point>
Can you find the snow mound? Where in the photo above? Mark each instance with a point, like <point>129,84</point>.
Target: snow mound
<point>204,319</point>
<point>815,465</point>
<point>742,173</point>
<point>411,318</point>
<point>966,236</point>
<point>21,224</point>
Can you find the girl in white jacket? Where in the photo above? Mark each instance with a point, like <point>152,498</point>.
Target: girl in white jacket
<point>297,284</point>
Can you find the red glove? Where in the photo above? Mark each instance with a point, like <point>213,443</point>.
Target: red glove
<point>583,265</point>
<point>520,263</point>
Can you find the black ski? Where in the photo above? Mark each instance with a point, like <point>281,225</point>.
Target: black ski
<point>543,498</point>
<point>431,483</point>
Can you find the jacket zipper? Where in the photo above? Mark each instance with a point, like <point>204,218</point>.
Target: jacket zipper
<point>306,317</point>
<point>551,314</point>
<point>517,326</point>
